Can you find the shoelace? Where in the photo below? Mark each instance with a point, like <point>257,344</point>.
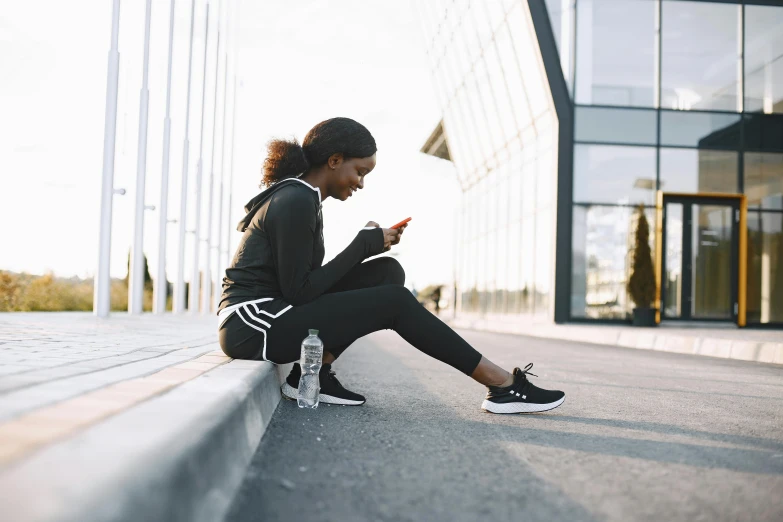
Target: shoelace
<point>525,388</point>
<point>527,370</point>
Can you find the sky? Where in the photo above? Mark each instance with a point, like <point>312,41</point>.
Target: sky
<point>294,64</point>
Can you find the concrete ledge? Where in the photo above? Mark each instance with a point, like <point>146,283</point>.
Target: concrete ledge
<point>179,456</point>
<point>764,348</point>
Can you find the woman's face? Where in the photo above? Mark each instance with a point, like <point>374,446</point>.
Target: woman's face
<point>349,175</point>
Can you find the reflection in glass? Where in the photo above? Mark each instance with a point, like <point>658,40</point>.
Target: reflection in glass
<point>763,59</point>
<point>700,63</point>
<point>711,269</point>
<point>764,180</point>
<point>692,170</point>
<point>615,52</point>
<point>601,245</point>
<point>614,174</point>
<point>763,132</point>
<point>596,124</point>
<point>700,129</point>
<point>672,281</point>
<point>765,267</point>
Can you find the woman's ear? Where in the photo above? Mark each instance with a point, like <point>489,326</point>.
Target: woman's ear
<point>335,160</point>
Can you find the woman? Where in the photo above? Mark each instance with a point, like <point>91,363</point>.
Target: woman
<point>277,288</point>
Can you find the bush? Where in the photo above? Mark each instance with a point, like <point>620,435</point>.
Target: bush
<point>641,284</point>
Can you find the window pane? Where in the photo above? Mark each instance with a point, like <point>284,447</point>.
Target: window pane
<point>615,52</point>
<point>690,170</point>
<point>764,180</point>
<point>765,267</point>
<point>600,259</point>
<point>700,129</point>
<point>763,132</point>
<point>543,261</point>
<point>700,64</point>
<point>513,76</point>
<point>614,174</point>
<point>616,125</point>
<point>526,45</point>
<point>497,82</point>
<point>763,59</point>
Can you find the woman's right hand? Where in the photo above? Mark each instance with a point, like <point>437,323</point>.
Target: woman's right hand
<point>390,235</point>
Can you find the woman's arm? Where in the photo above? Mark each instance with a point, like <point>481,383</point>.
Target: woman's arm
<point>290,223</point>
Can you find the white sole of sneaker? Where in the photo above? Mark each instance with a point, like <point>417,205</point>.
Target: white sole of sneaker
<point>290,393</point>
<point>519,407</point>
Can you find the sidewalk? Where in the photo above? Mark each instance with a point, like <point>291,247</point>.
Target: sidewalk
<point>727,342</point>
<point>130,418</point>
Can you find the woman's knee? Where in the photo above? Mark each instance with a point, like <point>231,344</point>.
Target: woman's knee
<point>395,274</point>
<point>398,296</point>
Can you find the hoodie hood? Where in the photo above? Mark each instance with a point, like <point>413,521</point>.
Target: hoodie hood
<point>257,202</point>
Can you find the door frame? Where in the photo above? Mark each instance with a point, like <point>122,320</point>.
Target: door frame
<point>742,255</point>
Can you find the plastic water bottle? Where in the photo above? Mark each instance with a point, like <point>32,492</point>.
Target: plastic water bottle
<point>310,361</point>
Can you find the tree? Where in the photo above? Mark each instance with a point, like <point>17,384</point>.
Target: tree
<point>147,276</point>
<point>641,284</point>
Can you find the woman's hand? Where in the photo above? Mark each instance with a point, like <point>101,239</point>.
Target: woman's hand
<point>399,236</point>
<point>391,236</point>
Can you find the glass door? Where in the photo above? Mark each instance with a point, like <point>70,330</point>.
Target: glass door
<point>700,245</point>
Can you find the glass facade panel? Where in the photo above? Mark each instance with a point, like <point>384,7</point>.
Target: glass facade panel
<point>497,82</point>
<point>764,59</point>
<point>614,174</point>
<point>765,267</point>
<point>615,52</point>
<point>527,261</point>
<point>692,170</point>
<point>513,77</point>
<point>526,46</point>
<point>763,132</point>
<point>764,180</point>
<point>601,243</point>
<point>700,129</point>
<point>597,124</point>
<point>700,56</point>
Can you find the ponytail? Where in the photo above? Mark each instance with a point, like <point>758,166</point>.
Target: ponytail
<point>285,159</point>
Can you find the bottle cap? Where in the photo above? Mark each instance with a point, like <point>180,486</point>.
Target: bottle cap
<point>313,332</point>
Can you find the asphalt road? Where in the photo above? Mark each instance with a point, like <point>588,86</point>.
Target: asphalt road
<point>642,435</point>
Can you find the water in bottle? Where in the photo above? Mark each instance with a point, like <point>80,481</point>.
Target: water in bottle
<point>310,361</point>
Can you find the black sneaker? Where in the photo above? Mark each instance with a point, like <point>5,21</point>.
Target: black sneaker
<point>522,396</point>
<point>332,392</point>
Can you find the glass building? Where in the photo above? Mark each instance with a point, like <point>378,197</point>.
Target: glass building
<point>562,116</point>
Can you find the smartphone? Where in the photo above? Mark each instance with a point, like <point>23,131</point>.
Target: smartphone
<point>401,223</point>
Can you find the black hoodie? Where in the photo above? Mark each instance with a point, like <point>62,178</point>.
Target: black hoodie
<point>282,249</point>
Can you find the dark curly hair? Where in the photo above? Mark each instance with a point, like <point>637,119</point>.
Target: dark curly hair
<point>288,159</point>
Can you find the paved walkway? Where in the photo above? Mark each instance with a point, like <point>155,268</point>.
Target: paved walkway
<point>643,435</point>
<point>121,419</point>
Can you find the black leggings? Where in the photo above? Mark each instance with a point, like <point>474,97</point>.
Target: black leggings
<point>369,298</point>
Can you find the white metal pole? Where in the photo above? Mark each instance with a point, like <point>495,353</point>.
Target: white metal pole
<point>231,171</point>
<point>196,278</point>
<point>206,302</point>
<point>179,285</point>
<point>233,134</point>
<point>102,282</point>
<point>160,289</point>
<point>219,258</point>
<point>136,272</point>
